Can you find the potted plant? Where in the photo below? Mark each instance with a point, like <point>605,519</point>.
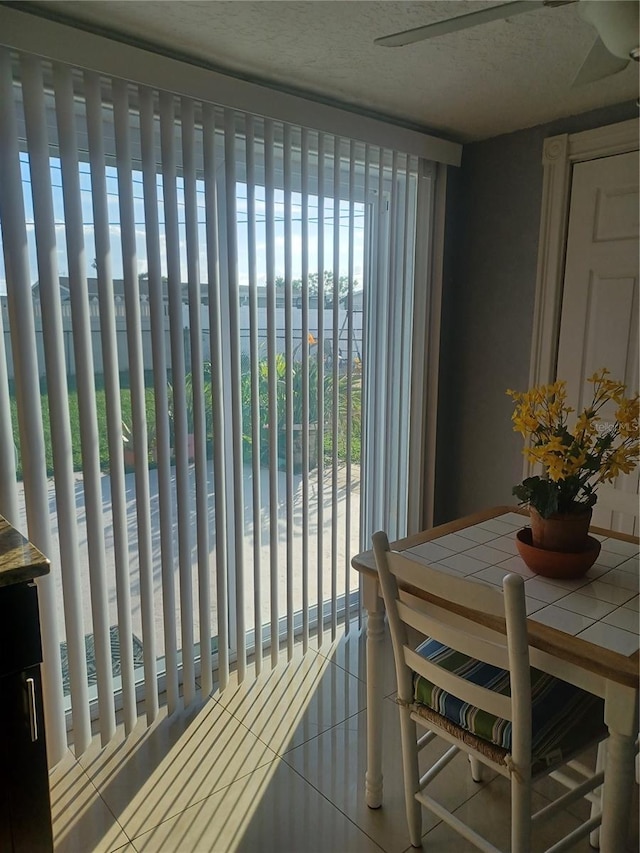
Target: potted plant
<point>208,410</point>
<point>128,451</point>
<point>297,402</point>
<point>128,448</point>
<point>575,454</point>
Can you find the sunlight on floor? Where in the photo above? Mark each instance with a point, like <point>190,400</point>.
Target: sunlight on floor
<point>273,764</point>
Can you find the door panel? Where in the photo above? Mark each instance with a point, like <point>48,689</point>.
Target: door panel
<point>599,322</point>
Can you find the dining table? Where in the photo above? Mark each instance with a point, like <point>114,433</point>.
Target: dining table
<point>584,630</point>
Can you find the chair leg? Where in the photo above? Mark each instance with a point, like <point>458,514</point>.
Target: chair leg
<point>476,768</point>
<point>596,808</point>
<point>520,815</point>
<point>411,776</point>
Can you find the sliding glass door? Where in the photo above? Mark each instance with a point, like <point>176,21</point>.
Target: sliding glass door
<point>211,396</point>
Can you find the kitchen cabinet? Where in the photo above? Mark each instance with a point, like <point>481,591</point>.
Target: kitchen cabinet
<point>25,811</point>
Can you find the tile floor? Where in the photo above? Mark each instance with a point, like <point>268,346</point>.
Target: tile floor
<point>273,764</point>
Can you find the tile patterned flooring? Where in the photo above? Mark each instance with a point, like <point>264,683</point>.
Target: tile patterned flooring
<point>273,764</point>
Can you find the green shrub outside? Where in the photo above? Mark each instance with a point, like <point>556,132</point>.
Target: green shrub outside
<point>246,389</point>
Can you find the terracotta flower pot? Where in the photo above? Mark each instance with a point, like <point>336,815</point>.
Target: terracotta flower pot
<point>565,532</point>
<point>556,564</point>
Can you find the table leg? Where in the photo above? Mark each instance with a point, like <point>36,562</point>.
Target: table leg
<point>621,718</point>
<point>375,635</point>
<point>596,808</point>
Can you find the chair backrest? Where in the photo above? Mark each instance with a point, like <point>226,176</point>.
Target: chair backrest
<point>471,617</point>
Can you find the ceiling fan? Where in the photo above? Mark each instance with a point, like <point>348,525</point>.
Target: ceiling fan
<point>615,21</point>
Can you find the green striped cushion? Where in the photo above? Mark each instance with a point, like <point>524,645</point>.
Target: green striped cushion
<point>564,718</point>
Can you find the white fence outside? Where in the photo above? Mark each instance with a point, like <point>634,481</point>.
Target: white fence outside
<point>145,320</point>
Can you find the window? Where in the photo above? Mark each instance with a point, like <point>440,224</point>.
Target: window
<point>215,310</point>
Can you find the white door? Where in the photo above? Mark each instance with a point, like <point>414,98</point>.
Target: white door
<point>599,322</point>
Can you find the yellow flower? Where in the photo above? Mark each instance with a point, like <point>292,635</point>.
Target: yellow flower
<point>555,445</point>
<point>627,416</point>
<point>555,468</point>
<point>575,463</point>
<point>584,426</point>
<point>576,455</point>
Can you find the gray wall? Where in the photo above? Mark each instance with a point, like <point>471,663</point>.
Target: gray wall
<point>491,243</point>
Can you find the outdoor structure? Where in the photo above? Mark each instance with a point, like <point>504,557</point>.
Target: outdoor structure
<point>145,323</point>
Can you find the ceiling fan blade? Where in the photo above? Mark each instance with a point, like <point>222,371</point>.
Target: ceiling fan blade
<point>461,22</point>
<point>598,64</point>
<point>616,22</point>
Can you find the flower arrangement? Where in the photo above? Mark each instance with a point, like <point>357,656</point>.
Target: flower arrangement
<point>575,458</point>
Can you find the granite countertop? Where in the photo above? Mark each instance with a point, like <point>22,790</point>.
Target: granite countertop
<point>20,561</point>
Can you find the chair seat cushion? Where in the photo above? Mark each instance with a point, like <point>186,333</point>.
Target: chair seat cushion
<point>564,718</point>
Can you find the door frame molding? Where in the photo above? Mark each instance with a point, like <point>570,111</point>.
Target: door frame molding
<point>559,155</point>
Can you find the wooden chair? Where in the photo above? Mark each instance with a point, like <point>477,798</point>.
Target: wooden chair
<point>470,683</point>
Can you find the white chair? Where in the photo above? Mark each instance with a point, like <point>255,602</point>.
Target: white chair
<point>470,683</point>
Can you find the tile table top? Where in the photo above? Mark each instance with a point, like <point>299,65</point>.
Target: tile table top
<point>601,607</point>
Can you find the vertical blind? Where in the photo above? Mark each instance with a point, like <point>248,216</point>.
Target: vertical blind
<point>205,369</point>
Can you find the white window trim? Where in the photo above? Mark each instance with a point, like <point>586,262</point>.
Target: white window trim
<point>426,347</point>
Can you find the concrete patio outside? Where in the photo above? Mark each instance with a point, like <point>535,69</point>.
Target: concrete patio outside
<point>347,545</point>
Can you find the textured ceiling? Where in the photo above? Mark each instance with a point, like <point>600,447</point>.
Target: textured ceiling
<point>492,79</point>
